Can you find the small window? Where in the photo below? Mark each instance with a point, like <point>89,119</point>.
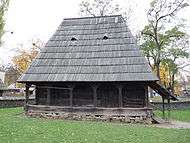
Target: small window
<point>105,37</point>
<point>73,39</point>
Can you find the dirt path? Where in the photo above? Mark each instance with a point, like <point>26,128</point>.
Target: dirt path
<point>174,124</point>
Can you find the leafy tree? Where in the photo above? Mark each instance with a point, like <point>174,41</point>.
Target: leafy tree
<point>156,35</point>
<point>177,51</point>
<point>3,8</point>
<point>171,56</point>
<point>24,57</point>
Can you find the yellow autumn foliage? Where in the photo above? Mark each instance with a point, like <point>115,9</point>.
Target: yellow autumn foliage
<point>24,59</point>
<point>164,75</point>
<point>165,79</point>
<point>177,89</point>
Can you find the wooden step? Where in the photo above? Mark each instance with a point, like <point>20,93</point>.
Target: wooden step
<point>158,120</point>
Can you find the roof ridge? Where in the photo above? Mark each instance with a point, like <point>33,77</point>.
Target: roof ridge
<point>87,17</point>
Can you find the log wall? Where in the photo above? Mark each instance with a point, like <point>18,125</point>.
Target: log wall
<point>93,94</point>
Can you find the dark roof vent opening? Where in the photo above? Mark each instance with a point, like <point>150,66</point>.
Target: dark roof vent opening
<point>105,37</point>
<point>73,39</point>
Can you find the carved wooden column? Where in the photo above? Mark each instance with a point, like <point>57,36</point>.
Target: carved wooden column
<point>27,93</point>
<point>94,87</point>
<point>120,88</point>
<point>48,100</point>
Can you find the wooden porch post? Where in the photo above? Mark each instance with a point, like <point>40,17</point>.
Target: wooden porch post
<point>34,92</point>
<point>169,108</point>
<point>71,96</point>
<point>71,87</point>
<point>48,100</point>
<point>94,87</point>
<point>37,95</point>
<point>27,86</point>
<point>163,107</point>
<point>120,95</point>
<point>146,96</point>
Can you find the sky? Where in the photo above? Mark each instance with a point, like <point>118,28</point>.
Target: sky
<point>38,19</point>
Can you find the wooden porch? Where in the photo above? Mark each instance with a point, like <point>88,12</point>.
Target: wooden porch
<point>91,110</point>
<point>103,95</point>
<point>91,101</point>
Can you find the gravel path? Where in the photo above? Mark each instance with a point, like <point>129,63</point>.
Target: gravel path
<point>174,124</point>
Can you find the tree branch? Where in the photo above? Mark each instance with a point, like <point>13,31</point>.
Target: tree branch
<point>171,13</point>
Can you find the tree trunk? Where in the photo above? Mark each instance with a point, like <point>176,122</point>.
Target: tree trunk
<point>158,71</point>
<point>172,83</point>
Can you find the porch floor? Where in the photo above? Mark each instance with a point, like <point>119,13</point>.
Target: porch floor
<point>88,111</point>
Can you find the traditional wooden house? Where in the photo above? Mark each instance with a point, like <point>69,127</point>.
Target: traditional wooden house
<point>91,68</point>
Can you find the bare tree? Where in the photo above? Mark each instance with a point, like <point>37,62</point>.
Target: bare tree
<point>105,7</point>
<point>98,7</point>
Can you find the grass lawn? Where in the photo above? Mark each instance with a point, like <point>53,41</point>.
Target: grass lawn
<point>16,128</point>
<point>180,115</point>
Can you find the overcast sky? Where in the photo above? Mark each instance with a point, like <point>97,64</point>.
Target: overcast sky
<point>38,19</point>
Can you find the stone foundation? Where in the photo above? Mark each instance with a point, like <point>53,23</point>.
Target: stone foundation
<point>126,115</point>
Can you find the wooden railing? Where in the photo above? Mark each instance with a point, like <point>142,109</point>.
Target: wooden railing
<point>127,102</point>
<point>130,102</point>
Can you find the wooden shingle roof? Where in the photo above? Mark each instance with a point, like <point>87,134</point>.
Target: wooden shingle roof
<point>90,49</point>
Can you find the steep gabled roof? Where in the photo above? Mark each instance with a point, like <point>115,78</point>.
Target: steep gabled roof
<point>90,49</point>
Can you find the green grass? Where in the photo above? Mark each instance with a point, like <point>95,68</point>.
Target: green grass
<point>180,115</point>
<point>16,128</point>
